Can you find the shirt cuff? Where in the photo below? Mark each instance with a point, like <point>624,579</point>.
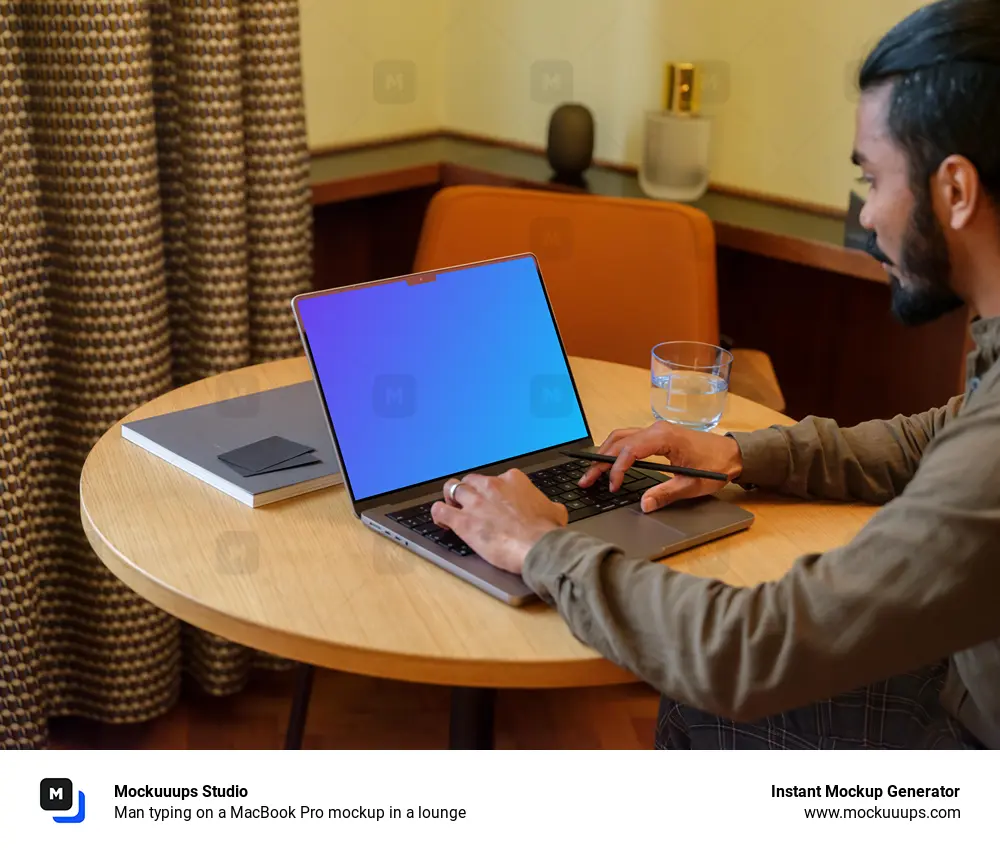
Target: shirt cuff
<point>554,555</point>
<point>765,457</point>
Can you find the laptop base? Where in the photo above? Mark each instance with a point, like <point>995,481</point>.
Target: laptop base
<point>675,528</point>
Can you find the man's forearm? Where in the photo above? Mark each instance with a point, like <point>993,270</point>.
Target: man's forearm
<point>834,622</point>
<point>816,458</point>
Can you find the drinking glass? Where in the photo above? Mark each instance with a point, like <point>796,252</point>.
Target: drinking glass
<point>689,382</point>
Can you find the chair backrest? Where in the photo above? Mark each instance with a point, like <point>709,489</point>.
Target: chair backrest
<point>622,274</point>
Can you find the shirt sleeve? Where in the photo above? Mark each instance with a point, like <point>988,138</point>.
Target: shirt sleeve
<point>815,458</point>
<point>918,583</point>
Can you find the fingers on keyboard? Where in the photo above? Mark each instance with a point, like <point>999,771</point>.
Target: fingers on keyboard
<point>559,483</point>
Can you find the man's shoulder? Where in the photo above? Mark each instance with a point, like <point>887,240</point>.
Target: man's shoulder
<point>967,444</point>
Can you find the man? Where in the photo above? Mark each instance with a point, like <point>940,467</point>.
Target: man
<point>892,640</point>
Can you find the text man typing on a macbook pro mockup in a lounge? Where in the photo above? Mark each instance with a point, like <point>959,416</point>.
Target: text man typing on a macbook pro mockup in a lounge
<point>894,639</point>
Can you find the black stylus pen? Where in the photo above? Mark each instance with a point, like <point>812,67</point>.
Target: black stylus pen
<point>648,464</point>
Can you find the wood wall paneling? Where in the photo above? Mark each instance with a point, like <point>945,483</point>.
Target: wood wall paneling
<point>836,348</point>
<point>368,238</point>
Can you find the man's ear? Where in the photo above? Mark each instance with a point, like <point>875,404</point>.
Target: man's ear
<point>959,191</point>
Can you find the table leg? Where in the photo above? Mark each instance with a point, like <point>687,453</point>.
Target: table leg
<point>300,707</point>
<point>471,722</point>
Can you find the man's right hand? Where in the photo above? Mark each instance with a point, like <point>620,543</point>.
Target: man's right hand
<point>682,446</point>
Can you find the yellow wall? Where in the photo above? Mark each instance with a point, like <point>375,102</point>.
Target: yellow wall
<point>784,127</point>
<point>344,43</point>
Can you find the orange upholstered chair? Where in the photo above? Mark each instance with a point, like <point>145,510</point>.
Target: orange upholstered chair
<point>622,274</point>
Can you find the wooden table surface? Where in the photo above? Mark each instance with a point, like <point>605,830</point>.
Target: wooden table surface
<point>305,580</point>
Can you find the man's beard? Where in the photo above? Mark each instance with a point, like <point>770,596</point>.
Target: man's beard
<point>926,267</point>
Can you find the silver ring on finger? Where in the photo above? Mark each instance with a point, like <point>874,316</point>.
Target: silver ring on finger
<point>452,489</point>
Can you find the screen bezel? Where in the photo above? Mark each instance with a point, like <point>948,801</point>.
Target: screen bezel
<point>374,500</point>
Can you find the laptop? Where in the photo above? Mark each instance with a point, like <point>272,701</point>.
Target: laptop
<point>437,374</point>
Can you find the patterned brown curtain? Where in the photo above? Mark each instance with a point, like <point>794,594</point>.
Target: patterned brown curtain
<point>155,220</point>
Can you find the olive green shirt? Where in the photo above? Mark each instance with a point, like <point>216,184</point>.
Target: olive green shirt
<point>919,583</point>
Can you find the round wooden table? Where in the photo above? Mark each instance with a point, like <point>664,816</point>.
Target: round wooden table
<point>320,588</point>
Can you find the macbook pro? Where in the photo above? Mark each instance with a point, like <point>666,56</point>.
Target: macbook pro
<point>438,374</point>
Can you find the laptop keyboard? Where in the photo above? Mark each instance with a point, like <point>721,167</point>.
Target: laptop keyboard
<point>559,483</point>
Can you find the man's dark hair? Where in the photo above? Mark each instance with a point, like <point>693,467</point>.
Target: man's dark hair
<point>944,63</point>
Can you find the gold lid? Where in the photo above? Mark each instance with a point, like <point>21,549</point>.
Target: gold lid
<point>683,88</point>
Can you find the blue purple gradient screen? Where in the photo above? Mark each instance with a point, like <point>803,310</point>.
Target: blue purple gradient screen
<point>429,380</point>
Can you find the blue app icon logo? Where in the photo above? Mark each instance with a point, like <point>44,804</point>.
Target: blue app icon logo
<point>56,795</point>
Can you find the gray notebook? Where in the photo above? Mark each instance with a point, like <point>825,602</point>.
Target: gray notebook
<point>272,420</point>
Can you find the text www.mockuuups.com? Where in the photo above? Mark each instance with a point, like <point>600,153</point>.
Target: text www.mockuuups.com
<point>879,812</point>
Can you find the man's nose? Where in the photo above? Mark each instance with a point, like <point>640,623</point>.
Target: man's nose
<point>865,218</point>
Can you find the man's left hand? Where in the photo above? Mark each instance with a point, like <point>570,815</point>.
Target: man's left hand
<point>500,517</point>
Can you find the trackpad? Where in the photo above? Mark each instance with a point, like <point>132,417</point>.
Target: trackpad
<point>635,533</point>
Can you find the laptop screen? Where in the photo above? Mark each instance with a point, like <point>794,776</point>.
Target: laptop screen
<point>426,380</point>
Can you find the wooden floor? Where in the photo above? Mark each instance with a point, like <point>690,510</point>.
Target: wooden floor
<point>353,712</point>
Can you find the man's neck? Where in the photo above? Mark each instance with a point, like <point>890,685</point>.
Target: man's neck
<point>981,261</point>
<point>982,289</point>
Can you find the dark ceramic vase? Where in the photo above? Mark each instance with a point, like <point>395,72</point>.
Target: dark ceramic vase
<point>570,148</point>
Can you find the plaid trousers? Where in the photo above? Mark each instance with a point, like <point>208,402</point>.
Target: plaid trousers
<point>903,712</point>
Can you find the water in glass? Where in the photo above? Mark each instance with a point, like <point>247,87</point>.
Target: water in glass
<point>692,399</point>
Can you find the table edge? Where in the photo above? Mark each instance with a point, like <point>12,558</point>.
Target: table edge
<point>544,674</point>
<point>569,673</point>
